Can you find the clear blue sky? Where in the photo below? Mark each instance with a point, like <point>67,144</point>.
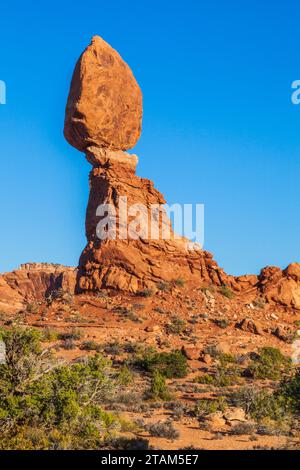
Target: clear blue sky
<point>219,127</point>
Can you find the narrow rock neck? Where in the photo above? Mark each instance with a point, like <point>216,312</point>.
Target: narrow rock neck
<point>105,158</point>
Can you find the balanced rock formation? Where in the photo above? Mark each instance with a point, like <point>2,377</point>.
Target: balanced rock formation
<point>104,107</point>
<point>103,118</point>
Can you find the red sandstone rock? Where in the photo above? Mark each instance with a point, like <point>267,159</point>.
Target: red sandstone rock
<point>282,287</point>
<point>191,352</point>
<point>33,282</point>
<point>104,107</point>
<point>249,325</point>
<point>134,264</point>
<point>103,117</point>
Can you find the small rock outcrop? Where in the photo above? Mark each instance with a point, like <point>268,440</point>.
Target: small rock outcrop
<point>33,282</point>
<point>281,287</point>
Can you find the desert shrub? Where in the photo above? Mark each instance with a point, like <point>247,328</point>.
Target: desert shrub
<point>223,377</point>
<point>290,391</point>
<point>75,317</point>
<point>90,346</point>
<point>127,313</point>
<point>171,365</point>
<point>158,388</point>
<point>61,295</point>
<point>213,351</point>
<point>74,334</point>
<point>114,348</point>
<point>164,286</point>
<point>24,357</point>
<point>226,358</point>
<point>159,310</point>
<point>260,404</point>
<point>269,427</point>
<point>138,351</point>
<point>221,323</point>
<point>260,302</point>
<point>133,317</point>
<point>224,290</point>
<point>138,306</point>
<point>45,405</point>
<point>270,364</point>
<point>49,335</point>
<point>176,327</point>
<point>3,315</point>
<point>205,407</point>
<point>68,344</point>
<point>206,379</point>
<point>226,376</point>
<point>243,429</point>
<point>178,408</point>
<point>163,429</point>
<point>145,293</point>
<point>178,282</point>
<point>125,376</point>
<point>125,443</point>
<point>206,289</point>
<point>32,307</point>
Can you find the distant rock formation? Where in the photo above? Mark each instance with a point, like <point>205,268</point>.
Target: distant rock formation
<point>33,282</point>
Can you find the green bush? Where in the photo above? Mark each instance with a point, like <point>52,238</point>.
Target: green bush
<point>270,364</point>
<point>206,379</point>
<point>74,334</point>
<point>49,335</point>
<point>224,376</point>
<point>205,407</point>
<point>158,388</point>
<point>176,327</point>
<point>90,346</point>
<point>125,376</point>
<point>44,405</point>
<point>145,293</point>
<point>290,391</point>
<point>171,365</point>
<point>221,323</point>
<point>163,286</point>
<point>163,429</point>
<point>260,404</point>
<point>178,282</point>
<point>224,290</point>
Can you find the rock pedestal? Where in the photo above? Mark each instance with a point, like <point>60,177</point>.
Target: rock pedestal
<point>133,259</point>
